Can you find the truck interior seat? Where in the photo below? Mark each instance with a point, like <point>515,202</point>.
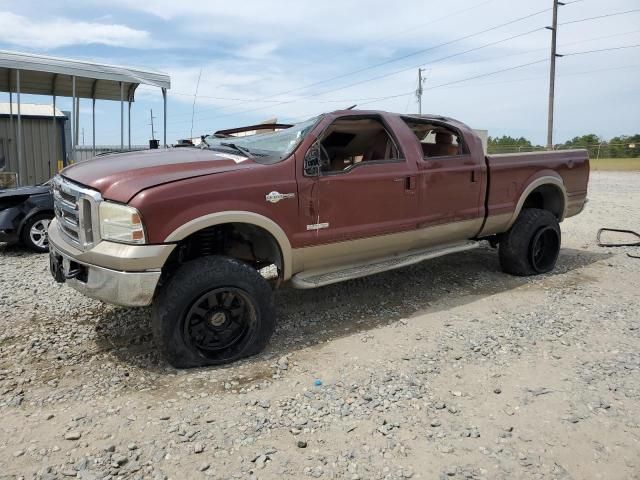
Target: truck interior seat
<point>444,146</point>
<point>380,148</point>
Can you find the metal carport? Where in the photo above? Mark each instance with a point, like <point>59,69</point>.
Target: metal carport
<point>25,73</point>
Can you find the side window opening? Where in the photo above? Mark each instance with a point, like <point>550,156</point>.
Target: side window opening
<point>349,142</point>
<point>437,140</point>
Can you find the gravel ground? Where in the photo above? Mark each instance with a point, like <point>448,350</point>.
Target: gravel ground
<point>448,369</point>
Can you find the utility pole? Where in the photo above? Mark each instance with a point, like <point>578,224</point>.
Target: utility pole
<point>419,90</point>
<point>151,123</point>
<point>83,136</point>
<point>552,73</point>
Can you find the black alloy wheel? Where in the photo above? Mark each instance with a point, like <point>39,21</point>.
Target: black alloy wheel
<point>531,246</point>
<point>545,246</point>
<point>211,311</point>
<point>219,319</point>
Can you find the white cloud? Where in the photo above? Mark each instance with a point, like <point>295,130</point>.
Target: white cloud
<point>258,51</point>
<point>255,49</point>
<point>62,32</point>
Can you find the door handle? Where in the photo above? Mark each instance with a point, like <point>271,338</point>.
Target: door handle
<point>409,182</point>
<point>473,176</point>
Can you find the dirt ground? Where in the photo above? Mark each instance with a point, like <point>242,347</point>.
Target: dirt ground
<point>448,369</point>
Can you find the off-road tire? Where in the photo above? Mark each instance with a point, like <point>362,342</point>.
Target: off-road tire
<point>177,298</point>
<point>25,234</point>
<point>531,246</point>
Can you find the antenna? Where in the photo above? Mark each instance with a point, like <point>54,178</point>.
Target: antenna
<point>193,109</point>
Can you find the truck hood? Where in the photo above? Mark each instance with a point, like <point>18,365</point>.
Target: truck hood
<point>121,176</point>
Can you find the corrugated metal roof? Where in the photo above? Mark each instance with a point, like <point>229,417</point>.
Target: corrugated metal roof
<point>30,110</point>
<point>44,75</point>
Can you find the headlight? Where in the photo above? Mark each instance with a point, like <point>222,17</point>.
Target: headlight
<point>120,223</point>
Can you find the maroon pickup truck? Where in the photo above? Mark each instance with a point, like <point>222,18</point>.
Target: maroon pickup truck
<point>205,233</point>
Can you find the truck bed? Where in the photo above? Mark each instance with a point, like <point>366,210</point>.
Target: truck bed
<point>511,174</point>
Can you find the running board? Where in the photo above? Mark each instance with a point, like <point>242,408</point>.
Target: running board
<point>322,277</point>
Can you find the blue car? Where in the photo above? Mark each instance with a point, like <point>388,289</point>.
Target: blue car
<point>25,213</point>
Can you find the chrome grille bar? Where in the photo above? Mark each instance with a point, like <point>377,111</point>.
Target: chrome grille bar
<point>76,209</point>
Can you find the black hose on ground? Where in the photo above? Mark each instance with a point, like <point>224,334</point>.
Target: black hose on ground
<point>630,232</point>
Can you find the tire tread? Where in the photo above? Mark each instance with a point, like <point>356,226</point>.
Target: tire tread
<point>515,243</point>
<point>173,298</point>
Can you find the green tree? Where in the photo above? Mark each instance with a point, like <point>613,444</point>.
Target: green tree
<point>624,146</point>
<point>507,144</point>
<point>592,142</point>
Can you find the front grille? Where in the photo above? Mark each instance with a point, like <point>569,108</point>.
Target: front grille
<point>76,210</point>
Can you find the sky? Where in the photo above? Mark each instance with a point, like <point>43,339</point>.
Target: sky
<point>293,60</point>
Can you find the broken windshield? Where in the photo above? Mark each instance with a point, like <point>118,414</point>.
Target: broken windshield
<point>263,147</point>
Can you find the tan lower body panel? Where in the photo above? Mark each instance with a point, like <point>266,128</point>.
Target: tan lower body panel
<point>327,276</point>
<point>496,224</point>
<point>355,251</point>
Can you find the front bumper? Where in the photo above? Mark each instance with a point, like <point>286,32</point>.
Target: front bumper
<point>119,286</point>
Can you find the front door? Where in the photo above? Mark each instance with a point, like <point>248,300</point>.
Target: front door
<point>367,191</point>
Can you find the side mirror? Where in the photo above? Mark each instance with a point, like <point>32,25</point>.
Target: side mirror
<point>312,161</point>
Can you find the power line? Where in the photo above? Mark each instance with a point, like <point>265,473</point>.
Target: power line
<point>601,50</point>
<point>600,16</point>
<point>431,62</point>
<point>413,54</point>
<point>537,77</point>
<point>495,72</point>
<point>482,75</point>
<point>587,40</point>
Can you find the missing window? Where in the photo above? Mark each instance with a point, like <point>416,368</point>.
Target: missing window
<point>437,140</point>
<point>351,141</point>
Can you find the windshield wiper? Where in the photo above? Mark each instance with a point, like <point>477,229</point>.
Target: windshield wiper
<point>242,150</point>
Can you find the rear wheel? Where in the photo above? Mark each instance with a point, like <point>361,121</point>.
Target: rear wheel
<point>532,244</point>
<point>213,310</point>
<point>34,234</point>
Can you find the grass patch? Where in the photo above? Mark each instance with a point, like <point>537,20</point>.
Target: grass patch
<point>615,164</point>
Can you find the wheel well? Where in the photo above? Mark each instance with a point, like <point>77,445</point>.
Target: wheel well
<point>243,241</point>
<point>546,197</point>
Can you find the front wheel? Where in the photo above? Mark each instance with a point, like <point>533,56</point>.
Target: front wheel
<point>35,234</point>
<point>532,244</point>
<point>213,310</point>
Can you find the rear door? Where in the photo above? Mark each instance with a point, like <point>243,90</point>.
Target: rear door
<point>451,180</point>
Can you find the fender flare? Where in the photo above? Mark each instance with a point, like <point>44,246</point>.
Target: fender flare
<point>553,180</point>
<point>250,218</point>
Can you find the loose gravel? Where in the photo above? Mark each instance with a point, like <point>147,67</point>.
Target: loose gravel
<point>448,369</point>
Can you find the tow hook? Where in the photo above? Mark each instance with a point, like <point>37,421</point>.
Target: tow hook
<point>57,269</point>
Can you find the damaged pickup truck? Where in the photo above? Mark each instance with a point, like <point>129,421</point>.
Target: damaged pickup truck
<point>205,234</point>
